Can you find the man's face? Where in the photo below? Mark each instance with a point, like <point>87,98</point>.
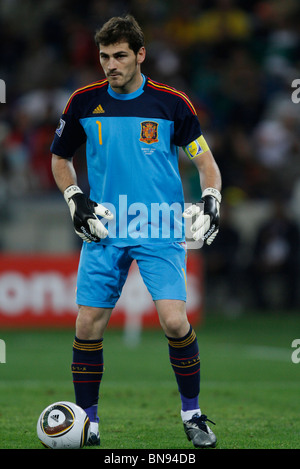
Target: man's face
<point>121,66</point>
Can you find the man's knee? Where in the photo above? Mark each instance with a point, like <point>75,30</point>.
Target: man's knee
<point>175,327</point>
<point>91,322</point>
<point>173,318</point>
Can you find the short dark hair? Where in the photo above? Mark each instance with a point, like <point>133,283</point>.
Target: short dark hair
<point>118,29</point>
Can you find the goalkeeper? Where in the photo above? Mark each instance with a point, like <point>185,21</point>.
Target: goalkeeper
<point>132,127</point>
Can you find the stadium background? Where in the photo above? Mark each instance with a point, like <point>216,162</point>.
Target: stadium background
<point>236,60</point>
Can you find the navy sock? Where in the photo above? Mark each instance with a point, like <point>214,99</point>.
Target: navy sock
<point>185,361</point>
<point>87,371</point>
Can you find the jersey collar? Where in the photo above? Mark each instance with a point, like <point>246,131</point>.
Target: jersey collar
<point>127,96</point>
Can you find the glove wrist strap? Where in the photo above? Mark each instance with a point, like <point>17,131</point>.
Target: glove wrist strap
<point>214,192</point>
<point>70,191</point>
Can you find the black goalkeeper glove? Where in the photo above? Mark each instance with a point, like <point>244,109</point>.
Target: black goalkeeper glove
<point>206,225</point>
<point>84,213</point>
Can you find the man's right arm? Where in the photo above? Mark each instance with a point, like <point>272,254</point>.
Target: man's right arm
<point>63,172</point>
<point>83,210</point>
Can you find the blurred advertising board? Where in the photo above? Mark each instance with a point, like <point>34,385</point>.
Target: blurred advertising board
<point>39,291</point>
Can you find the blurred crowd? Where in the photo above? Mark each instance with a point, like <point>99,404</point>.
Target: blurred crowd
<point>235,59</point>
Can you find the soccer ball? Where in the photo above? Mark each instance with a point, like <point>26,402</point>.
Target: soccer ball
<point>63,425</point>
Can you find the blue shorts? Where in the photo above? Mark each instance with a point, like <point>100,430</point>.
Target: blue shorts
<point>103,270</point>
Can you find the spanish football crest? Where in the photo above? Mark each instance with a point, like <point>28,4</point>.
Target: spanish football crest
<point>149,132</point>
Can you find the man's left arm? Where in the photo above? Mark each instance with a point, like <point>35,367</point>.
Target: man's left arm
<point>207,212</point>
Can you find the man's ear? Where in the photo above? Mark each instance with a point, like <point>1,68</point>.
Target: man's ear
<point>140,57</point>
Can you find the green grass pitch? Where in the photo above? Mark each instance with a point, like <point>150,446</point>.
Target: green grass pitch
<point>249,385</point>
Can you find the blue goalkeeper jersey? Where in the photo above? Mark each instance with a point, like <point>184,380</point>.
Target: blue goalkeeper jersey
<point>132,145</point>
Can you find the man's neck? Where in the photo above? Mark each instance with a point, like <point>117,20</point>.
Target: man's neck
<point>131,86</point>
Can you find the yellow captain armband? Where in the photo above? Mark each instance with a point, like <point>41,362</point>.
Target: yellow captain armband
<point>196,148</point>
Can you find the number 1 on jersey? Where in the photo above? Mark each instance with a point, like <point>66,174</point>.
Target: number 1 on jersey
<point>99,132</point>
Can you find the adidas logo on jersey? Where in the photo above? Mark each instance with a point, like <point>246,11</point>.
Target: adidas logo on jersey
<point>98,110</point>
